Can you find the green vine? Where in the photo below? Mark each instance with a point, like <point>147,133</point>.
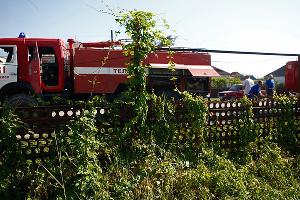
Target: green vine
<point>286,122</point>
<point>140,27</point>
<point>191,127</point>
<point>81,153</point>
<point>246,124</point>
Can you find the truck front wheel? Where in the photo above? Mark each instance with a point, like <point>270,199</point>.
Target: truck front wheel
<point>21,100</point>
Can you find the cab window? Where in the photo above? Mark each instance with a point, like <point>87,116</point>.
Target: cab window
<point>49,65</point>
<point>6,54</point>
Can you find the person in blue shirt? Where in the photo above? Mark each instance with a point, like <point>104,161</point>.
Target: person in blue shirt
<point>255,90</point>
<point>270,85</point>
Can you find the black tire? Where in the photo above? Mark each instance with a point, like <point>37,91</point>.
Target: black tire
<point>21,100</point>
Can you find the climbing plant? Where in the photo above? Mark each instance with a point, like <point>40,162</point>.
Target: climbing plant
<point>141,28</point>
<point>286,123</point>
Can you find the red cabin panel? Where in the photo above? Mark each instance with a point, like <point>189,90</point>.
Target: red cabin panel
<point>292,72</point>
<point>186,58</point>
<point>98,70</point>
<point>104,83</point>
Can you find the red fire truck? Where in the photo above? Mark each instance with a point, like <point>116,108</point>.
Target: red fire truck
<point>46,67</point>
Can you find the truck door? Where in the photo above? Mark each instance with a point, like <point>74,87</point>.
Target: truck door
<point>50,69</point>
<point>34,69</point>
<point>8,64</point>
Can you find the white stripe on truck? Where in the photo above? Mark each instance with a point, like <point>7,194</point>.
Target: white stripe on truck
<point>123,71</point>
<point>100,70</point>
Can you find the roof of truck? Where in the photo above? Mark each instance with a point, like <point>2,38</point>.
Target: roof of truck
<point>20,41</point>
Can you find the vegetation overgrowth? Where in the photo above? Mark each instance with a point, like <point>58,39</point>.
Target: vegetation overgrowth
<point>224,82</point>
<point>96,158</point>
<point>159,152</point>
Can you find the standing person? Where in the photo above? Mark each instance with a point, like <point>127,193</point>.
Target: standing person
<point>270,86</point>
<point>247,84</point>
<point>255,90</point>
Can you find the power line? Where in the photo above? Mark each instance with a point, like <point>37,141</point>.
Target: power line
<point>255,61</point>
<point>33,4</point>
<point>179,49</point>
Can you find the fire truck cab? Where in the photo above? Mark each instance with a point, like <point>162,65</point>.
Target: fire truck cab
<point>31,66</point>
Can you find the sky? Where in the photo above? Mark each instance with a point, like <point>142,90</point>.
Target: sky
<point>238,25</point>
